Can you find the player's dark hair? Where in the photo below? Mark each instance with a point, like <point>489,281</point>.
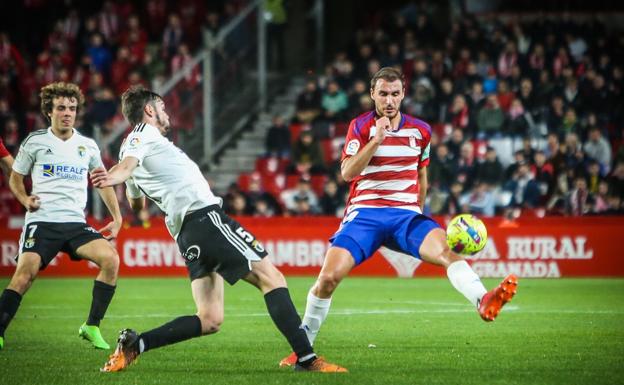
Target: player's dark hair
<point>134,100</point>
<point>389,74</point>
<point>56,90</point>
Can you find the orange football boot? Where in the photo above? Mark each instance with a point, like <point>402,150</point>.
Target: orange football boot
<point>320,365</point>
<point>125,353</point>
<point>291,360</point>
<point>494,300</point>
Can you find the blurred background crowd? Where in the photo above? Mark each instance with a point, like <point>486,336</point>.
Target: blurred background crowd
<point>526,112</point>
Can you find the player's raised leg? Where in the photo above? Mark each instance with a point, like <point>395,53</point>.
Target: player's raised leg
<point>10,299</point>
<point>208,296</point>
<point>434,249</point>
<point>102,253</point>
<point>337,265</point>
<point>266,277</point>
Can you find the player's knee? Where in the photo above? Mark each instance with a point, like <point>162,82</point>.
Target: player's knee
<point>327,283</point>
<point>22,280</point>
<point>110,261</point>
<point>210,323</point>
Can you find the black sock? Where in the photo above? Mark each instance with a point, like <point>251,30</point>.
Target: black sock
<point>180,329</point>
<point>9,303</point>
<point>102,296</point>
<point>288,322</point>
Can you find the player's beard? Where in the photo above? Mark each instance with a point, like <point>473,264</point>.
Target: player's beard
<point>383,113</point>
<point>164,125</point>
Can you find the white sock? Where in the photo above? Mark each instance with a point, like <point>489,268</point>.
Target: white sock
<point>466,281</point>
<point>316,312</point>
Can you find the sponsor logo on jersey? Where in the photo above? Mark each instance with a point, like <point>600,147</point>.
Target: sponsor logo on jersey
<point>64,171</point>
<point>82,151</point>
<point>48,170</point>
<point>352,147</point>
<point>192,253</point>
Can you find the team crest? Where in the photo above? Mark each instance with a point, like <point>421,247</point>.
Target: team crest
<point>30,243</point>
<point>82,151</point>
<point>412,141</point>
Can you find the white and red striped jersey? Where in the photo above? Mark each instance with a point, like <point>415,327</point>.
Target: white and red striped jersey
<point>391,177</point>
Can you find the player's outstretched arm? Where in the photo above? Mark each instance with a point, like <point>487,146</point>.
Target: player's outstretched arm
<point>16,183</point>
<point>118,174</point>
<point>110,200</point>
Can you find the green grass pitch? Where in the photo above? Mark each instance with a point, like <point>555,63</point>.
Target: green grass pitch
<point>386,331</point>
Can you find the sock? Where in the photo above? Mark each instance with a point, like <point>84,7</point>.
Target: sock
<point>9,303</point>
<point>466,281</point>
<point>288,322</point>
<point>315,314</point>
<point>102,296</point>
<point>180,329</point>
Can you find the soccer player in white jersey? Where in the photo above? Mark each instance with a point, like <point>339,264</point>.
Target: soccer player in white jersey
<point>58,160</point>
<point>214,246</point>
<point>385,158</point>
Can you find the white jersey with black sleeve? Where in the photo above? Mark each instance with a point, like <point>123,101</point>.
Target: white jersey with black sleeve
<point>165,175</point>
<point>59,171</point>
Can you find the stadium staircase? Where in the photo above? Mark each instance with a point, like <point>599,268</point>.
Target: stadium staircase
<point>241,156</point>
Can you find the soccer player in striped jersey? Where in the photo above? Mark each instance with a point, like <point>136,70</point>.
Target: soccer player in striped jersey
<point>385,158</point>
<point>214,246</point>
<point>58,160</point>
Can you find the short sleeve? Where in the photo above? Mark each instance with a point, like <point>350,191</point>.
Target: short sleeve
<point>424,157</point>
<point>132,189</point>
<point>25,159</point>
<point>96,159</point>
<point>353,141</point>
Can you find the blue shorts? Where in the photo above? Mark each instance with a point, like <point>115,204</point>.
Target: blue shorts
<point>364,230</point>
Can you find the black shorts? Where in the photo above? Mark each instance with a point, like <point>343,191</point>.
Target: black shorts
<point>211,241</point>
<point>48,238</point>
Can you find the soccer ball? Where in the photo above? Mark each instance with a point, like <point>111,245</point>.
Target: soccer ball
<point>466,234</point>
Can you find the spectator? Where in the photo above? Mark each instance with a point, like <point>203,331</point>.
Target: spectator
<point>172,36</point>
<point>256,194</point>
<point>99,54</point>
<point>331,202</point>
<point>300,199</point>
<point>579,201</point>
<point>334,101</point>
<point>480,200</point>
<point>490,118</point>
<point>524,188</point>
<point>309,102</point>
<point>544,175</point>
<point>490,171</point>
<point>277,141</point>
<point>599,149</point>
<point>307,156</point>
<point>452,205</point>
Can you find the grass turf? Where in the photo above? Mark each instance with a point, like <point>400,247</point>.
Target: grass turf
<point>386,331</point>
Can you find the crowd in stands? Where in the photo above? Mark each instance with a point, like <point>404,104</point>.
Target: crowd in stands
<point>104,47</point>
<point>527,114</point>
<point>527,117</point>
